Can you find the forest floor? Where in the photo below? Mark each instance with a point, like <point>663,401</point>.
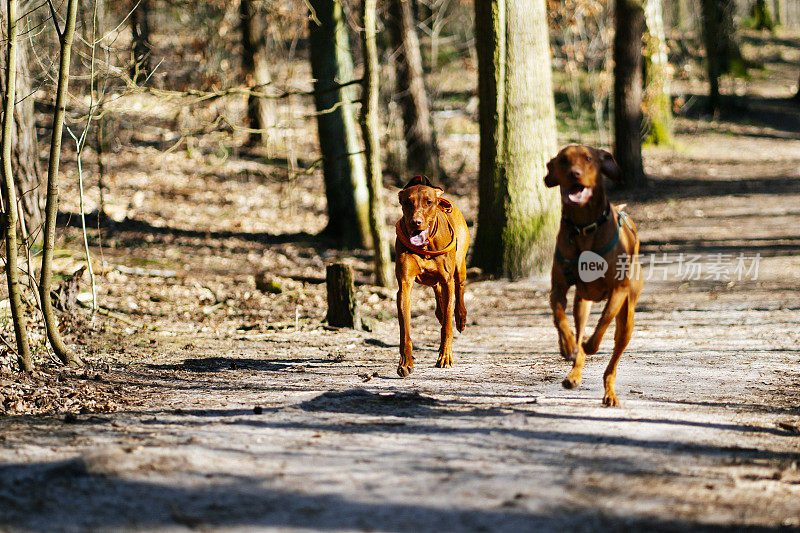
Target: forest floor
<point>207,404</point>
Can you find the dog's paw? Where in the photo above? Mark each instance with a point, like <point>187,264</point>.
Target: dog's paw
<point>571,382</point>
<point>590,346</point>
<point>445,361</point>
<point>610,399</point>
<point>404,371</point>
<point>567,354</point>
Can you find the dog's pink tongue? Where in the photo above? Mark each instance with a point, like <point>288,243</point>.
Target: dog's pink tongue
<point>420,238</point>
<point>580,197</point>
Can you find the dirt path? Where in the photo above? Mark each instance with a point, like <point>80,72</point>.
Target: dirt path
<point>493,444</point>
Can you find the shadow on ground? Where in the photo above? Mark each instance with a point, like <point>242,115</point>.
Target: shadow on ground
<point>111,502</point>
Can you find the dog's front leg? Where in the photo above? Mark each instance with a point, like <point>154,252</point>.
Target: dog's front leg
<point>446,347</point>
<point>558,303</point>
<point>406,365</point>
<point>581,309</point>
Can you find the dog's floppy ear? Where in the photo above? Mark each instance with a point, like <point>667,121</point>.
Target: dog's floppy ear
<point>608,166</point>
<point>418,180</point>
<point>550,179</point>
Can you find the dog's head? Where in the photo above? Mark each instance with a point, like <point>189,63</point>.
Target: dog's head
<point>579,170</point>
<point>419,199</point>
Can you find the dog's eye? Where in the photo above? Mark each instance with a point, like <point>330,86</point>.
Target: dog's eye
<point>588,158</point>
<point>429,201</point>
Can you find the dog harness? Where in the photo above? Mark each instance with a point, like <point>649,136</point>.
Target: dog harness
<point>445,207</point>
<point>568,266</point>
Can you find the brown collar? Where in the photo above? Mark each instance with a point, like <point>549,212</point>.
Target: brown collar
<point>445,206</point>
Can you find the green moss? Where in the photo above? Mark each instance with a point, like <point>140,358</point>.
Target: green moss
<point>660,131</point>
<point>658,110</point>
<point>527,244</point>
<point>760,17</point>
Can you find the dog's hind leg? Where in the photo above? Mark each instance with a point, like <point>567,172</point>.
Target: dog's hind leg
<point>461,309</point>
<point>621,337</point>
<point>611,310</point>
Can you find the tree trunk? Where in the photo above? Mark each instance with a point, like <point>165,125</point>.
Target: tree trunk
<point>657,97</point>
<point>342,305</point>
<point>10,195</point>
<point>51,208</point>
<point>762,17</point>
<point>780,12</point>
<point>797,94</point>
<point>713,59</point>
<point>342,162</point>
<point>682,15</point>
<point>628,91</point>
<point>722,50</point>
<point>141,46</point>
<point>422,150</point>
<point>24,148</point>
<point>260,112</point>
<point>517,215</point>
<point>372,149</point>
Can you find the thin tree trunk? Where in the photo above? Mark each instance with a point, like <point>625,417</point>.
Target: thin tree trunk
<point>517,215</point>
<point>797,94</point>
<point>10,196</point>
<point>422,150</point>
<point>99,139</point>
<point>51,208</point>
<point>98,10</point>
<point>24,149</point>
<point>780,12</point>
<point>141,46</point>
<point>722,50</point>
<point>713,59</point>
<point>682,15</point>
<point>372,149</point>
<point>260,112</point>
<point>762,16</point>
<point>342,161</point>
<point>657,97</point>
<point>628,91</point>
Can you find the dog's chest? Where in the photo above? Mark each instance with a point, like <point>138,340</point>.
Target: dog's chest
<point>595,291</point>
<point>431,271</point>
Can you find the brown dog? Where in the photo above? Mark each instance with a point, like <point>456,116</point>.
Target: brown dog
<point>431,246</point>
<point>594,235</point>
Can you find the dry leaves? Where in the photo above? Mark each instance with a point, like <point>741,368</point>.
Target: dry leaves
<point>57,391</point>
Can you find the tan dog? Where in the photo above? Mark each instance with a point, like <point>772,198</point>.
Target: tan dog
<point>592,231</point>
<point>431,246</point>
